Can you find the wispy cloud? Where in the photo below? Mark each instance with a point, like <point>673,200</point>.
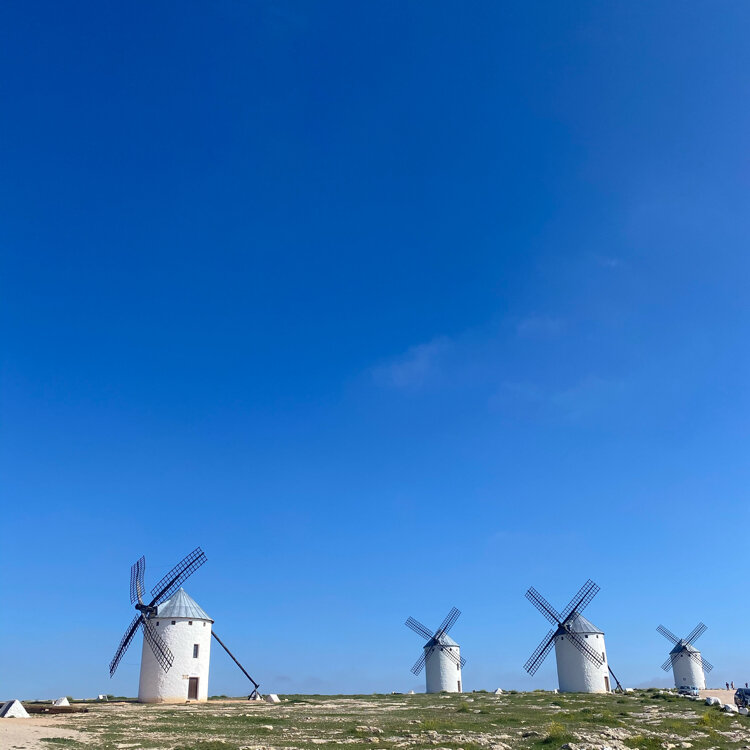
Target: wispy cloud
<point>588,396</point>
<point>608,261</point>
<point>482,366</point>
<point>419,365</point>
<point>539,325</point>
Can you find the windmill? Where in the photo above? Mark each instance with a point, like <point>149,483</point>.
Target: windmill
<point>441,655</point>
<point>687,664</point>
<point>579,645</point>
<point>176,636</point>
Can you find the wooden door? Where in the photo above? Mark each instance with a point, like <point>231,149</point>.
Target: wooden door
<point>192,688</point>
<point>606,683</point>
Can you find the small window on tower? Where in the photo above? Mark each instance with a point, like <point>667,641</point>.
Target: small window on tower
<point>190,622</point>
<point>157,623</point>
<point>604,657</point>
<point>195,650</point>
<point>174,622</point>
<point>458,666</point>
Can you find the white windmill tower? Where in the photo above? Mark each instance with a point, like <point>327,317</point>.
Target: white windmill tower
<point>174,667</point>
<point>579,646</point>
<point>441,656</point>
<point>688,665</point>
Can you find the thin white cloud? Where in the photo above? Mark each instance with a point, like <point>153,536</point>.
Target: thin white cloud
<point>589,396</point>
<point>419,365</point>
<point>539,325</point>
<point>607,261</point>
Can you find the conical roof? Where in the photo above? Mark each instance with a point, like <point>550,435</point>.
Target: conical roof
<point>577,623</point>
<point>682,646</point>
<point>182,605</point>
<point>444,640</point>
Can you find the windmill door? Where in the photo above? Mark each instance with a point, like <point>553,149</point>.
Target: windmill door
<point>192,688</point>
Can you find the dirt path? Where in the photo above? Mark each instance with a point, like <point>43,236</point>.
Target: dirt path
<point>26,734</point>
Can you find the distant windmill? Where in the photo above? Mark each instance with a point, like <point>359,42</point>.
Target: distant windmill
<point>687,664</point>
<point>441,656</point>
<point>579,646</point>
<point>174,666</point>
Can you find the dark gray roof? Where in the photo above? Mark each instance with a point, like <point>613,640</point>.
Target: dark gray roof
<point>444,640</point>
<point>577,623</point>
<point>182,605</point>
<point>682,646</point>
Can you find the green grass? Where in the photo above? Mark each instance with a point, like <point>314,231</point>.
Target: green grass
<point>642,742</point>
<point>524,721</point>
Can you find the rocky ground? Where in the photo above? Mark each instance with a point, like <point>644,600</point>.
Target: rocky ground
<point>475,721</point>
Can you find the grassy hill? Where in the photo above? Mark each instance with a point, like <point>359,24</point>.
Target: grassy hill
<point>474,721</point>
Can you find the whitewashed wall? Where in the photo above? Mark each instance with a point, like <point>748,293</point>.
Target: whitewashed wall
<point>158,686</point>
<point>442,672</point>
<point>688,672</point>
<point>576,673</point>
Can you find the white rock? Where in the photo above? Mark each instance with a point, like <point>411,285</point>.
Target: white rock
<point>61,702</point>
<point>272,698</point>
<point>729,708</point>
<point>742,710</point>
<point>712,701</point>
<point>13,710</point>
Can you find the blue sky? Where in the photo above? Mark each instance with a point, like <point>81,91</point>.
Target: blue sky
<point>390,307</point>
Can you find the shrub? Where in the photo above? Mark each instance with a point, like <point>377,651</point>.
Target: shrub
<point>556,734</point>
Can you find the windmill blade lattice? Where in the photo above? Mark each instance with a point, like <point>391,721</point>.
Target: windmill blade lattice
<point>419,663</point>
<point>137,571</point>
<point>448,622</point>
<point>585,649</point>
<point>581,600</point>
<point>418,628</point>
<point>540,653</point>
<point>668,634</point>
<point>160,649</point>
<point>682,644</point>
<point>696,633</point>
<point>578,603</point>
<point>669,663</point>
<point>433,640</point>
<point>161,592</point>
<point>544,606</point>
<point>177,576</point>
<point>703,662</point>
<point>124,644</point>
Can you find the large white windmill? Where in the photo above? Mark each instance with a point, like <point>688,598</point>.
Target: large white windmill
<point>176,637</point>
<point>441,656</point>
<point>688,666</point>
<point>579,645</point>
